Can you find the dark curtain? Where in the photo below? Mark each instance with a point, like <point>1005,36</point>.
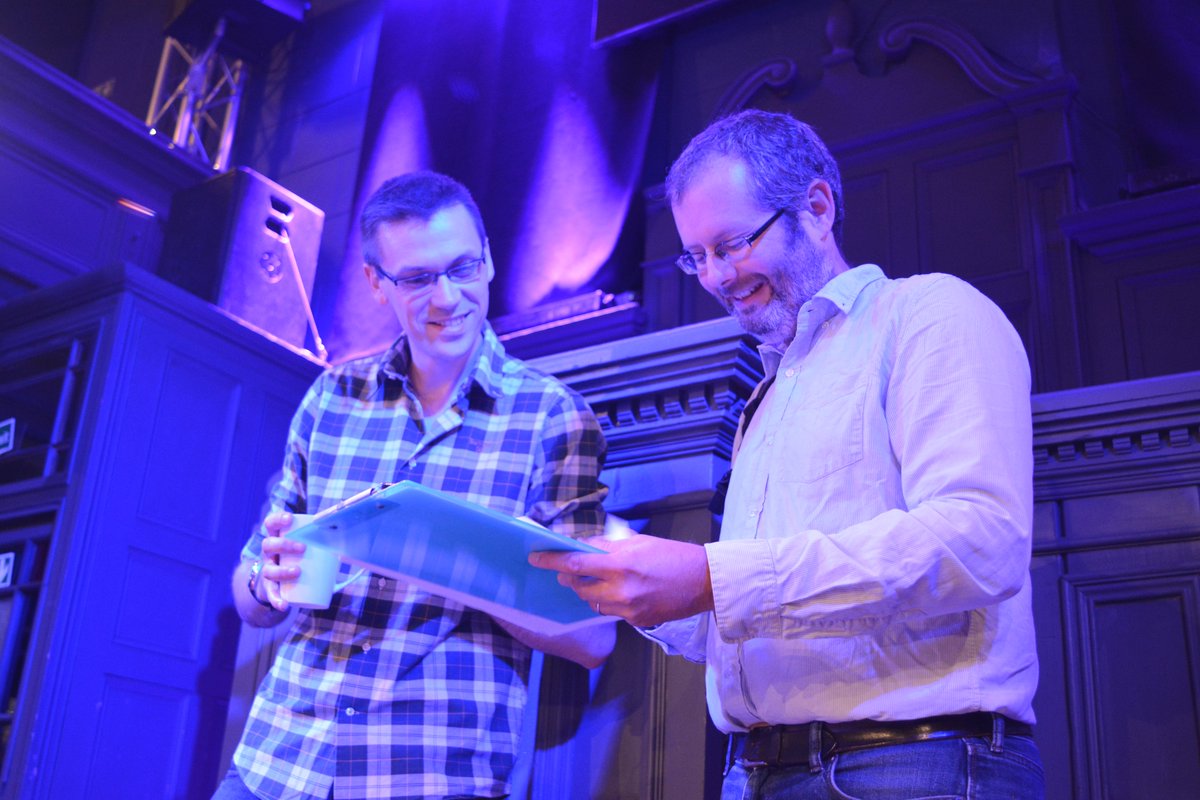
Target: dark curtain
<point>547,131</point>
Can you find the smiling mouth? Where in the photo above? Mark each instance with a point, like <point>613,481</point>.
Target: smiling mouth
<point>456,323</point>
<point>740,297</point>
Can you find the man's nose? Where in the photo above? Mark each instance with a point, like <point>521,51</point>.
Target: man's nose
<point>717,272</point>
<point>445,291</point>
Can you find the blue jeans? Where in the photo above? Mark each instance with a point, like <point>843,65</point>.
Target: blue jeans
<point>940,769</point>
<point>233,788</point>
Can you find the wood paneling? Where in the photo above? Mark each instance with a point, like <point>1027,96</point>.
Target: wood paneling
<point>134,643</point>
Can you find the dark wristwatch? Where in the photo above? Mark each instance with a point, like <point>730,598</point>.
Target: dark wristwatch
<point>252,584</point>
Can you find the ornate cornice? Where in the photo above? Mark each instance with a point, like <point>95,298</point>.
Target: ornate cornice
<point>669,401</point>
<point>668,395</point>
<point>1118,437</point>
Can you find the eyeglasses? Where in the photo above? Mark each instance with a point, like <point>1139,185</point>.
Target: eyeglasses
<point>694,262</point>
<point>417,282</point>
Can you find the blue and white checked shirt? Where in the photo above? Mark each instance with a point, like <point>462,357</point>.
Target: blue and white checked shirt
<point>393,692</point>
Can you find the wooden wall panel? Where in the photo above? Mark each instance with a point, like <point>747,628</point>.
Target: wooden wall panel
<point>951,160</point>
<point>1117,586</point>
<point>1136,683</point>
<point>1160,318</point>
<point>1139,280</point>
<point>968,212</point>
<point>134,643</point>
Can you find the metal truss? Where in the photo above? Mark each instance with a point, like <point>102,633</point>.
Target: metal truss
<point>197,93</point>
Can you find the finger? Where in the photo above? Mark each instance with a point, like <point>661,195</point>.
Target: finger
<point>277,522</point>
<point>275,546</point>
<point>275,595</point>
<point>548,559</point>
<point>281,573</point>
<point>274,576</point>
<point>573,563</point>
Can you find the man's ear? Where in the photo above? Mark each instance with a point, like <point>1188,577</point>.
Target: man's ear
<point>822,206</point>
<point>487,257</point>
<point>373,282</point>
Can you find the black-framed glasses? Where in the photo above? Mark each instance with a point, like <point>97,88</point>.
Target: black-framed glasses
<point>694,262</point>
<point>422,280</point>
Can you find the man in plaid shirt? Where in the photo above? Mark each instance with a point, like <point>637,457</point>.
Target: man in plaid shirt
<point>393,692</point>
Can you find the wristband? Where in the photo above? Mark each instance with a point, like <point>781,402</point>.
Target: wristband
<point>252,584</point>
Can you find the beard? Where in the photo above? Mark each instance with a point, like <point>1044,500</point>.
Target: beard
<point>793,280</point>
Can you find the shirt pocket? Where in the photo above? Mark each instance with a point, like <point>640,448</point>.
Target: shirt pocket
<point>820,439</point>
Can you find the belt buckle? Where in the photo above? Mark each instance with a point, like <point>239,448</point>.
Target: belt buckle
<point>764,749</point>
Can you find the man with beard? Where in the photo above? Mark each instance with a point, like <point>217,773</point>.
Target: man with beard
<point>865,617</point>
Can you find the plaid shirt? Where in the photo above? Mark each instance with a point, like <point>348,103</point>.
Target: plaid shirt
<point>393,692</point>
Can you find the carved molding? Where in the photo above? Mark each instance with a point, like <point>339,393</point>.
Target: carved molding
<point>1117,437</point>
<point>1160,222</point>
<point>778,75</point>
<point>675,395</point>
<point>979,65</point>
<point>666,395</point>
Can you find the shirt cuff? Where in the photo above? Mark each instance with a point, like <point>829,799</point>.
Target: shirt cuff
<point>745,589</point>
<point>682,637</point>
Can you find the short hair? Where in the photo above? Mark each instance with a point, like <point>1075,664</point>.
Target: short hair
<point>414,195</point>
<point>783,156</point>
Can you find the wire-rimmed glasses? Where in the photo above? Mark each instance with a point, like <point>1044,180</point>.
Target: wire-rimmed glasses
<point>694,262</point>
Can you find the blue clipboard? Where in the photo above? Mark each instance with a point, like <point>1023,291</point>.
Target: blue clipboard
<point>456,549</point>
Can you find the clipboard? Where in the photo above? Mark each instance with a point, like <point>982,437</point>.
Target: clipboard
<point>456,549</point>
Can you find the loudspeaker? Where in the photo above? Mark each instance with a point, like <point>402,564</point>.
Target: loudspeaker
<point>226,241</point>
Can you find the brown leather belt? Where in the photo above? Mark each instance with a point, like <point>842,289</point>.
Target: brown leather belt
<point>788,745</point>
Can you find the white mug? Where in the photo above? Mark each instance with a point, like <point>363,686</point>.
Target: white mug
<point>317,582</point>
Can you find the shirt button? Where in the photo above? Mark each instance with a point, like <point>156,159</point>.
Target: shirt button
<point>350,712</point>
<point>382,583</point>
<point>753,514</point>
<point>366,648</point>
<point>790,373</point>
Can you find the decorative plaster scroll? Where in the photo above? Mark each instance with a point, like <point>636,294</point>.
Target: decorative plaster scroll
<point>778,74</point>
<point>980,66</point>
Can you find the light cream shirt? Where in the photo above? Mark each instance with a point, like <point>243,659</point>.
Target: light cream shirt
<point>874,555</point>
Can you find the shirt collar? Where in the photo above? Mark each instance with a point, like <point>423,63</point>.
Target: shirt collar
<point>844,289</point>
<point>838,295</point>
<point>491,364</point>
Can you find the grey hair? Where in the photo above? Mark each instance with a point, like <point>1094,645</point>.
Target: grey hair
<point>782,154</point>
